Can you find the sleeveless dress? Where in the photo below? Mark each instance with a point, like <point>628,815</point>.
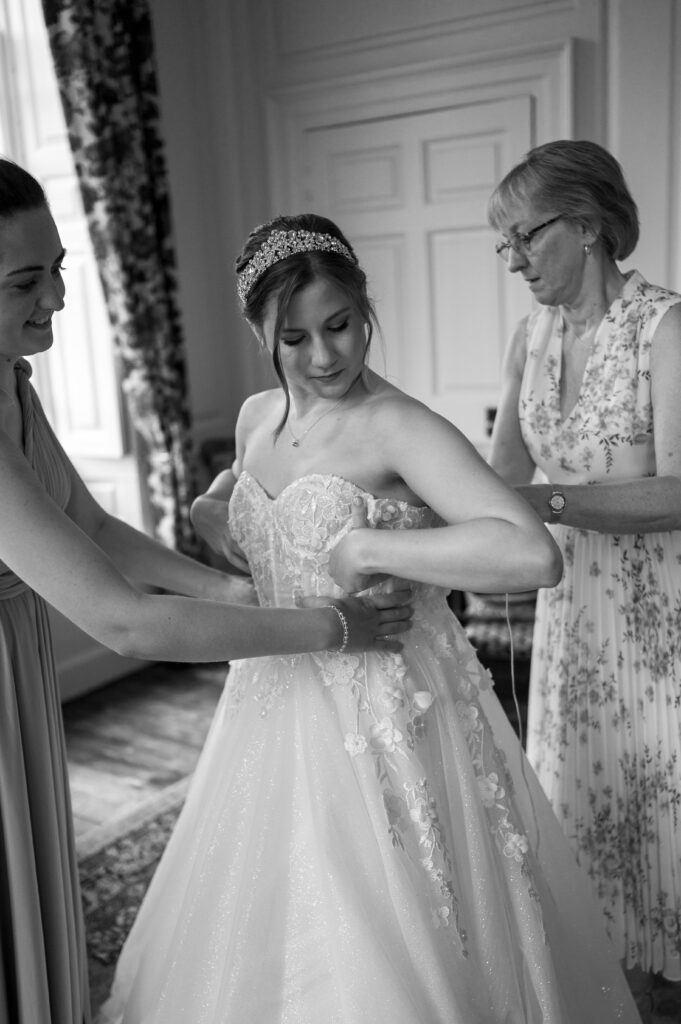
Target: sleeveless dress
<point>604,718</point>
<point>43,967</point>
<point>362,841</point>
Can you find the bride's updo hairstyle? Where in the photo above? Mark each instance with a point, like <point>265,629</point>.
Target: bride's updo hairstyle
<point>579,180</point>
<point>287,254</point>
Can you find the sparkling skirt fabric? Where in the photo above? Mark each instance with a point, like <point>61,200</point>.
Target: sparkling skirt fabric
<point>363,840</point>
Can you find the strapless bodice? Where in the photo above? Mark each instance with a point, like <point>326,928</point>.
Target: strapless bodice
<point>287,538</point>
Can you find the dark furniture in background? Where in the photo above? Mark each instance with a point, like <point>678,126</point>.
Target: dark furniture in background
<point>501,634</point>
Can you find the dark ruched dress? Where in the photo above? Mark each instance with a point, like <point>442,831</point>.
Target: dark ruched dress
<point>43,967</point>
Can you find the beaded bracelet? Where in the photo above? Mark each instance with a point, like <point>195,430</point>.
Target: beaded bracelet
<point>345,627</point>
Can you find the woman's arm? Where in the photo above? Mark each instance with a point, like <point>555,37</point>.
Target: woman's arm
<point>146,561</point>
<point>509,456</point>
<point>209,518</point>
<point>57,558</point>
<point>493,541</point>
<point>648,504</point>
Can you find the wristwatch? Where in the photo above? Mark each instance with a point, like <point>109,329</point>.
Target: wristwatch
<point>557,503</point>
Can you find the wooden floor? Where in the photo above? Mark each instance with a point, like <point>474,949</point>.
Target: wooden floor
<point>127,741</point>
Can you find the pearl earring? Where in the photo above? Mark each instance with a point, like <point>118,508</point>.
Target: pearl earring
<point>587,248</point>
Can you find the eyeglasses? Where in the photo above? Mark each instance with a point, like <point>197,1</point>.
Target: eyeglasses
<point>521,243</point>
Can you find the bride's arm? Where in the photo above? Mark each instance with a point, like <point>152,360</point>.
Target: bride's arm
<point>209,516</point>
<point>493,542</point>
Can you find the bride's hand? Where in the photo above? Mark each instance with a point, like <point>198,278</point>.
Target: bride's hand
<point>372,622</point>
<point>209,516</point>
<point>345,560</point>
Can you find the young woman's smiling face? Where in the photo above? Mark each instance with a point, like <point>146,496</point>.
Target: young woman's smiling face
<point>31,285</point>
<point>322,342</point>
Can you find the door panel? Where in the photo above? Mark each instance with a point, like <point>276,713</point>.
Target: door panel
<point>410,192</point>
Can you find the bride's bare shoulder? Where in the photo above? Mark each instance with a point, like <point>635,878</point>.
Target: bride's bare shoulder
<point>260,411</point>
<point>390,404</point>
<point>256,407</point>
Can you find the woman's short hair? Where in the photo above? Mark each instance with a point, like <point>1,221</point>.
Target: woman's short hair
<point>284,278</point>
<point>581,181</point>
<point>19,190</point>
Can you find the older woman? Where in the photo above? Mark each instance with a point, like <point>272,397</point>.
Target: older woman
<point>589,430</point>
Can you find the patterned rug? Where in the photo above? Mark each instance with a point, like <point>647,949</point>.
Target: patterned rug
<point>116,864</point>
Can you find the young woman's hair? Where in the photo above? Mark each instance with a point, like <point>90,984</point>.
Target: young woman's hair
<point>19,191</point>
<point>287,276</point>
<point>579,180</point>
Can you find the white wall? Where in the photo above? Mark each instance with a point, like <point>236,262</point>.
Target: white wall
<point>641,124</point>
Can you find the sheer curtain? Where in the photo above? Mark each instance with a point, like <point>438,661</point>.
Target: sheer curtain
<point>104,59</point>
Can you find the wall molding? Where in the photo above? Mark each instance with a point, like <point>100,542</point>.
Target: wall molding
<point>450,25</point>
<point>544,72</point>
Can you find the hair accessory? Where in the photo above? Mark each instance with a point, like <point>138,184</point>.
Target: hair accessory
<point>281,244</point>
<point>344,623</point>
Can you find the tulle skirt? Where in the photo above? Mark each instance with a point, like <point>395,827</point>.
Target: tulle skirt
<point>363,841</point>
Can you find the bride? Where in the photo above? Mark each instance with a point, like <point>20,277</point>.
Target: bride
<point>363,840</point>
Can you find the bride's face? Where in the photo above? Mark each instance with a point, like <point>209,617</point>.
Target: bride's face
<point>322,343</point>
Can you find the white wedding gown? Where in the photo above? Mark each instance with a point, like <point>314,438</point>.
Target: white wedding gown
<point>363,841</point>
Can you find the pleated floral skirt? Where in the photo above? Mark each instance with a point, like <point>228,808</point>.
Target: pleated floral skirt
<point>604,729</point>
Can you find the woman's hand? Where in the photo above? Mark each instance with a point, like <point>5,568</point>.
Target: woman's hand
<point>346,557</point>
<point>372,621</point>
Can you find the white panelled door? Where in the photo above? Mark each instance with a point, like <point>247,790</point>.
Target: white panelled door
<point>410,193</point>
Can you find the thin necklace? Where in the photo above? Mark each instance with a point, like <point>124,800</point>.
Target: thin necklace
<point>295,441</point>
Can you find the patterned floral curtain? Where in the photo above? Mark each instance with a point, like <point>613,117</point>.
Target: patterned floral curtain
<point>104,59</point>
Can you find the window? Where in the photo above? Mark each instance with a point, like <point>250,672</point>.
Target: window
<point>77,379</point>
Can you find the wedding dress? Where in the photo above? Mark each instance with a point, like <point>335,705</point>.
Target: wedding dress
<point>363,841</point>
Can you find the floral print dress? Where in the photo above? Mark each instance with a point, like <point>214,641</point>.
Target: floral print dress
<point>604,721</point>
<point>363,840</point>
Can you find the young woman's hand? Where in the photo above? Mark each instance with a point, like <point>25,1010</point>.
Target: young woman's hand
<point>372,622</point>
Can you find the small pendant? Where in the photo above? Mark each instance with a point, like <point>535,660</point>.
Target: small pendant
<point>295,444</point>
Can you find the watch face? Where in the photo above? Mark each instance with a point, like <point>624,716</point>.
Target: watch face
<point>557,503</point>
